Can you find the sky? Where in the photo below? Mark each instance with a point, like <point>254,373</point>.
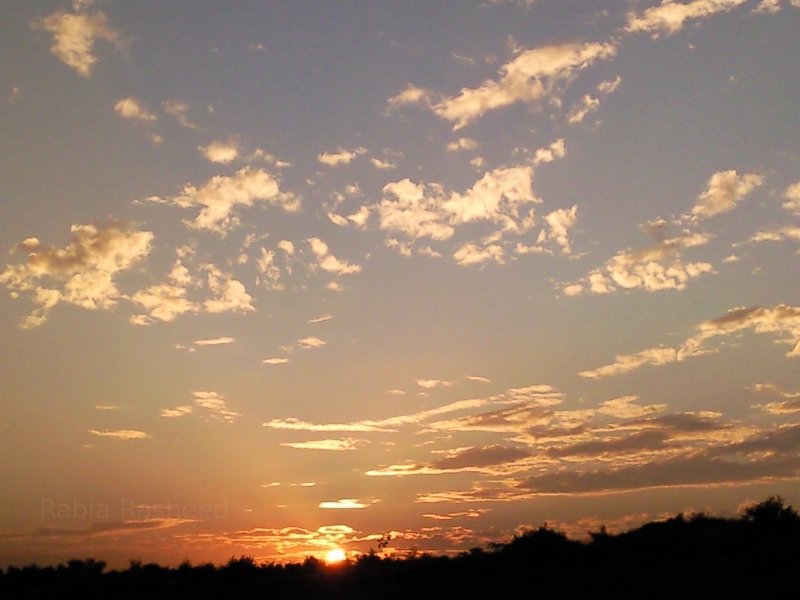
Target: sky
<point>283,277</point>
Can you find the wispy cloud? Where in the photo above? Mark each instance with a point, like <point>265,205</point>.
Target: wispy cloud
<point>120,434</point>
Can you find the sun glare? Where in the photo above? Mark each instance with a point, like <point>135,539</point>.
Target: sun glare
<point>334,556</point>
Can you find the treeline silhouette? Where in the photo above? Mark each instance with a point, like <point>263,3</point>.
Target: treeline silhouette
<point>756,555</point>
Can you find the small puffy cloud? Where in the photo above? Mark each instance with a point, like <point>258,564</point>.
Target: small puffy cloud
<point>433,383</point>
<point>792,195</point>
<point>473,254</point>
<point>131,108</point>
<point>344,503</point>
<point>559,223</point>
<point>287,247</point>
<point>163,302</point>
<point>230,295</point>
<point>270,274</point>
<point>219,197</point>
<point>342,445</point>
<point>328,262</point>
<point>776,234</point>
<point>74,36</point>
<point>531,76</point>
<point>462,144</point>
<point>310,342</point>
<point>552,152</point>
<point>220,152</point>
<point>410,95</point>
<point>120,434</point>
<point>215,406</point>
<point>275,361</point>
<point>670,17</point>
<point>178,411</point>
<point>83,272</point>
<point>215,341</point>
<point>725,190</point>
<point>340,157</point>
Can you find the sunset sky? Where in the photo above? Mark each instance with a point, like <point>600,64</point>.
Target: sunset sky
<point>283,277</point>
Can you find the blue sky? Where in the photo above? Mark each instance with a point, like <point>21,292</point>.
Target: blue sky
<point>283,277</point>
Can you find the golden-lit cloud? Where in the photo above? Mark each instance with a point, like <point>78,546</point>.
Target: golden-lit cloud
<point>311,342</point>
<point>340,157</point>
<point>344,503</point>
<point>178,411</point>
<point>83,273</point>
<point>328,262</point>
<point>120,434</point>
<point>219,341</point>
<point>220,152</point>
<point>220,196</point>
<point>532,76</point>
<point>725,190</point>
<point>670,17</point>
<point>215,406</point>
<point>275,361</point>
<point>338,445</point>
<point>131,108</point>
<point>230,295</point>
<point>624,363</point>
<point>74,36</point>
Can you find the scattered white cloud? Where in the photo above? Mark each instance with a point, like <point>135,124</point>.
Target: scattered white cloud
<point>177,411</point>
<point>178,110</point>
<point>341,445</point>
<point>532,76</point>
<point>725,190</point>
<point>344,503</point>
<point>792,195</point>
<point>462,144</point>
<point>275,361</point>
<point>230,295</point>
<point>310,342</point>
<point>552,152</point>
<point>219,197</point>
<point>321,319</point>
<point>670,17</point>
<point>220,152</point>
<point>163,302</point>
<point>429,384</point>
<point>328,262</point>
<point>582,109</point>
<point>215,341</point>
<point>215,406</point>
<point>131,108</point>
<point>74,36</point>
<point>340,157</point>
<point>83,272</point>
<point>120,434</point>
<point>479,379</point>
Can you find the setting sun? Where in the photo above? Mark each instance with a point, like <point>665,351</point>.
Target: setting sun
<point>335,556</point>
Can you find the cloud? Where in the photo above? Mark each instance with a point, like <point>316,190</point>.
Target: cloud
<point>230,295</point>
<point>725,190</point>
<point>344,503</point>
<point>328,262</point>
<point>83,272</point>
<point>130,108</point>
<point>432,383</point>
<point>293,424</point>
<point>580,111</point>
<point>789,404</point>
<point>531,76</point>
<point>626,407</point>
<point>624,363</point>
<point>462,144</point>
<point>479,379</point>
<point>792,195</point>
<point>120,434</point>
<point>164,302</point>
<point>321,319</point>
<point>275,361</point>
<point>473,254</point>
<point>334,445</point>
<point>178,110</point>
<point>74,36</point>
<point>659,267</point>
<point>776,234</point>
<point>552,152</point>
<point>670,17</point>
<point>410,95</point>
<point>215,341</point>
<point>311,342</point>
<point>220,152</point>
<point>221,195</point>
<point>178,411</point>
<point>473,458</point>
<point>782,320</point>
<point>340,157</point>
<point>215,405</point>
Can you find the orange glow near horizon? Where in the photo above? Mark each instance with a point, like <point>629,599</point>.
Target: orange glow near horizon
<point>335,556</point>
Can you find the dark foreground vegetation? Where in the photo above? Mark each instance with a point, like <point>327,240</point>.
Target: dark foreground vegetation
<point>696,556</point>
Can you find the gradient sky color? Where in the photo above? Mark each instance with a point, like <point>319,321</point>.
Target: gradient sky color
<point>281,277</point>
